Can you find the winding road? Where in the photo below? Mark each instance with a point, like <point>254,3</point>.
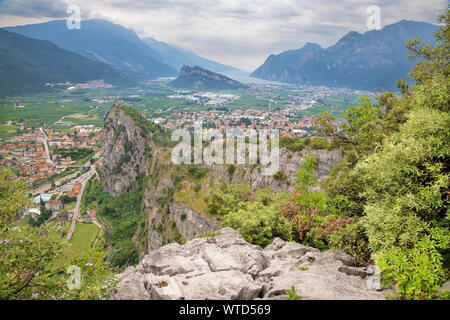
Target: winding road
<point>77,210</point>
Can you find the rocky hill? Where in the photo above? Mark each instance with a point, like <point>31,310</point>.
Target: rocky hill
<point>201,79</point>
<point>373,61</point>
<point>210,263</point>
<point>129,142</point>
<point>226,267</point>
<point>174,211</point>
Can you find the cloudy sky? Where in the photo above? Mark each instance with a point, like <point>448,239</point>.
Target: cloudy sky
<point>241,33</point>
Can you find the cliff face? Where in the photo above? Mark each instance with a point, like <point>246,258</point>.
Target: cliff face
<point>176,212</point>
<point>226,267</point>
<point>126,151</point>
<point>173,200</point>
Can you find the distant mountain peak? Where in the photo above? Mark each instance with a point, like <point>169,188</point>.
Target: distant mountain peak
<point>105,41</point>
<point>177,57</point>
<point>199,78</point>
<point>312,45</point>
<point>374,60</point>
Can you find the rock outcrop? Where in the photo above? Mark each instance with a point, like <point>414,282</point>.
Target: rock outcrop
<point>200,78</point>
<point>127,149</point>
<point>226,267</point>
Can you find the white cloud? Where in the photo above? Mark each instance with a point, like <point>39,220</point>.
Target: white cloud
<point>243,33</point>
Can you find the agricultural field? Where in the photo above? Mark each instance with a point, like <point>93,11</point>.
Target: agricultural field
<point>83,239</point>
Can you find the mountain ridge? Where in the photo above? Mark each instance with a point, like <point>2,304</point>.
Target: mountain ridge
<point>177,57</point>
<point>104,41</point>
<point>27,64</point>
<point>374,60</point>
<point>203,79</point>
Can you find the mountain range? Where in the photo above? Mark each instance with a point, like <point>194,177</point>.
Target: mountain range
<point>104,41</point>
<point>372,61</point>
<point>178,57</point>
<point>201,79</point>
<point>26,65</point>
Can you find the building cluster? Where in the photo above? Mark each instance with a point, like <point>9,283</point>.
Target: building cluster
<point>26,155</point>
<point>206,98</point>
<point>283,120</point>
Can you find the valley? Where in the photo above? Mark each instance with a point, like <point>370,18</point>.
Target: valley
<point>136,166</point>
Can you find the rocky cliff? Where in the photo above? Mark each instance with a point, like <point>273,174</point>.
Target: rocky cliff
<point>177,211</point>
<point>225,266</point>
<point>173,199</point>
<point>127,149</point>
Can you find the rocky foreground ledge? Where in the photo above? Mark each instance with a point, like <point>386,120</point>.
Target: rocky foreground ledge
<point>227,267</point>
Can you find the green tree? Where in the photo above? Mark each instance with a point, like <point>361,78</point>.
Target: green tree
<point>29,267</point>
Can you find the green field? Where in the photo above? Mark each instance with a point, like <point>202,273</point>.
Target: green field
<point>336,105</point>
<point>82,239</point>
<point>80,107</point>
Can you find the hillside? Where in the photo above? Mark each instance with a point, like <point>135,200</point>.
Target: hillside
<point>201,79</point>
<point>103,41</point>
<point>372,61</point>
<point>26,65</point>
<point>177,57</point>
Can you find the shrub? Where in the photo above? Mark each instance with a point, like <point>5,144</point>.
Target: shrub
<point>258,224</point>
<point>417,272</point>
<point>318,143</point>
<point>352,240</point>
<point>231,170</point>
<point>280,176</point>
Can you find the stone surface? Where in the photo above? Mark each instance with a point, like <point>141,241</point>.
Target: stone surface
<point>227,267</point>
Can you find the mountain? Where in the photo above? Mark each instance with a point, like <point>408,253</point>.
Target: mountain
<point>177,57</point>
<point>26,65</point>
<point>202,79</point>
<point>373,61</point>
<point>103,41</point>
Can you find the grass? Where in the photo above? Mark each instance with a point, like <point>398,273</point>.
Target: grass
<point>70,206</point>
<point>82,239</point>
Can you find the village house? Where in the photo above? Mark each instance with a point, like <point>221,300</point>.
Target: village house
<point>53,205</point>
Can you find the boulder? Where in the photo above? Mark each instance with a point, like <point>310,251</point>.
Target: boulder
<point>227,267</point>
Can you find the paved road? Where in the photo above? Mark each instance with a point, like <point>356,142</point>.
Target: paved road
<point>47,152</point>
<point>77,210</point>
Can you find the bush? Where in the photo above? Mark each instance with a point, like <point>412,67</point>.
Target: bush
<point>352,240</point>
<point>280,176</point>
<point>417,272</point>
<point>319,143</point>
<point>226,199</point>
<point>231,170</point>
<point>259,224</point>
<point>196,172</point>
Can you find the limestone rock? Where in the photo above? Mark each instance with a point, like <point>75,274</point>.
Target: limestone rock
<point>227,267</point>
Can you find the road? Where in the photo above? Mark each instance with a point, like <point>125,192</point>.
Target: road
<point>45,187</point>
<point>47,152</point>
<point>77,210</point>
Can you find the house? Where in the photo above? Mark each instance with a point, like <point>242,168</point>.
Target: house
<point>32,212</point>
<point>92,213</point>
<point>43,197</point>
<point>53,205</point>
<point>62,217</point>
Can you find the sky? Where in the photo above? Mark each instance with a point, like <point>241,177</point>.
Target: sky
<point>240,33</point>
